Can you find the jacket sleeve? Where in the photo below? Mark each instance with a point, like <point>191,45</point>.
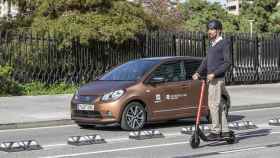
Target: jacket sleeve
<point>227,61</point>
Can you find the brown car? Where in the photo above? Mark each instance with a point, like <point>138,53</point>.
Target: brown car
<point>141,91</point>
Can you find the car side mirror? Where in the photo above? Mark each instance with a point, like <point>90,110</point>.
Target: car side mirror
<point>156,80</point>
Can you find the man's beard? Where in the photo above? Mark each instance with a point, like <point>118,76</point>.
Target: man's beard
<point>212,37</point>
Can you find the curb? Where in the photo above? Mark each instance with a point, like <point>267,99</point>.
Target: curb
<point>36,124</point>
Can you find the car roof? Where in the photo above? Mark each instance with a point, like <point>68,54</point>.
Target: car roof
<point>172,58</point>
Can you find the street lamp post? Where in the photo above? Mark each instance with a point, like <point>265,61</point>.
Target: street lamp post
<point>251,27</point>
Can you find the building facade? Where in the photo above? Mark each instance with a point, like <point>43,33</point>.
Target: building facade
<point>7,9</point>
<point>233,6</point>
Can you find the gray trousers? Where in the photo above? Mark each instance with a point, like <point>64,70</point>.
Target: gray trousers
<point>215,91</point>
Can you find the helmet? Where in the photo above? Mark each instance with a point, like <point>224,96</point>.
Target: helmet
<point>214,24</point>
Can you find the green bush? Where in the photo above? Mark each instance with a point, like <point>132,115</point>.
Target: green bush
<point>7,85</point>
<point>38,88</point>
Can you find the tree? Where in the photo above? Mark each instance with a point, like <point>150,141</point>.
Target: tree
<point>274,25</point>
<point>198,12</point>
<point>24,16</point>
<point>163,14</point>
<point>260,11</point>
<point>103,20</point>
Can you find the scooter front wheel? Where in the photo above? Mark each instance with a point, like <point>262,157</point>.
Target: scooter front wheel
<point>232,139</point>
<point>194,141</point>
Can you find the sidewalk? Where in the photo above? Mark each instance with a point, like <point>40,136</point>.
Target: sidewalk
<point>35,111</point>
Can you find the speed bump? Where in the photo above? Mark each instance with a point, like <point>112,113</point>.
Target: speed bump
<point>242,125</point>
<point>274,122</point>
<point>16,146</point>
<point>85,140</point>
<point>191,129</point>
<point>145,134</point>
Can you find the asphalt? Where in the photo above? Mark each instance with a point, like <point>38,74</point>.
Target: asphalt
<point>49,110</point>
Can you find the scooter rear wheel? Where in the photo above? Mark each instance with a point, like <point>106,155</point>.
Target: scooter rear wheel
<point>232,138</point>
<point>194,141</point>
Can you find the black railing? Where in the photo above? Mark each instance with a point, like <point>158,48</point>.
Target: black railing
<point>40,58</point>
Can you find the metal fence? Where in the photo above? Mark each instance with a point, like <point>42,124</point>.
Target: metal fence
<point>41,58</point>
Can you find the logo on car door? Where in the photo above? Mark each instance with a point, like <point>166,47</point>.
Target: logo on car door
<point>158,98</point>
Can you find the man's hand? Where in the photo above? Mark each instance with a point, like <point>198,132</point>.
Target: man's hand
<point>195,76</point>
<point>210,77</point>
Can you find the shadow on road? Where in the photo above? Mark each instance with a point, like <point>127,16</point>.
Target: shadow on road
<point>242,136</point>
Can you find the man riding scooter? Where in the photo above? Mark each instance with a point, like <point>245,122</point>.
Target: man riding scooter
<point>215,64</point>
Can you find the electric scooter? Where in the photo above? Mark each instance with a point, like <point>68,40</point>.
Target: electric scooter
<point>198,134</point>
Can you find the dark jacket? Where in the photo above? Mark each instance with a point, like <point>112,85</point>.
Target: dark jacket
<point>217,60</point>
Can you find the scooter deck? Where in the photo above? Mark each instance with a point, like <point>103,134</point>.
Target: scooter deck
<point>204,138</point>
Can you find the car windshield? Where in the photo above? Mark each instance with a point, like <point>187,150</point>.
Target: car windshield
<point>130,71</point>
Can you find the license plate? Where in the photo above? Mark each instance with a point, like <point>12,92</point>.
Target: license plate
<point>85,107</point>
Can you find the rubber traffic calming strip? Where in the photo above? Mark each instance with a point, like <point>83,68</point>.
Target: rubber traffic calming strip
<point>274,122</point>
<point>16,146</point>
<point>85,140</point>
<point>145,134</point>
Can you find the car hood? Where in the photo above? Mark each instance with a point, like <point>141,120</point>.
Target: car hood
<point>102,87</point>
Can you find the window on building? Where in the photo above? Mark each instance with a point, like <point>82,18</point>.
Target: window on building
<point>232,7</point>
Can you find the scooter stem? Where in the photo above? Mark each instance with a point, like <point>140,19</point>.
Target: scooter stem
<point>200,102</point>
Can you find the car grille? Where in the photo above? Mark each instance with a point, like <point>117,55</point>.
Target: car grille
<point>83,98</point>
<point>88,114</point>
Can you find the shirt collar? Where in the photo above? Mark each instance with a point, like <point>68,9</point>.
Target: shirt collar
<point>217,40</point>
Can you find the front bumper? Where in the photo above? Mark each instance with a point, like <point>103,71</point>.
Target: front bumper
<point>104,113</point>
<point>94,121</point>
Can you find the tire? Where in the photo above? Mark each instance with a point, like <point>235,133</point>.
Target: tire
<point>85,126</point>
<point>133,116</point>
<point>232,138</point>
<point>194,141</point>
<point>226,111</point>
<point>226,106</point>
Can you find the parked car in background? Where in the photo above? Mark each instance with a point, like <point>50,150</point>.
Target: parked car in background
<point>141,91</point>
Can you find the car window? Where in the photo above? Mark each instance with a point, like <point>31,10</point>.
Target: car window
<point>171,72</point>
<point>190,67</point>
<point>130,71</point>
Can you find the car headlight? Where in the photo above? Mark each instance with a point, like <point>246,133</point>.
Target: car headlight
<point>112,96</point>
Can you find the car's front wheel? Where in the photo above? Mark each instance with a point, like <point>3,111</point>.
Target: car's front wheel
<point>133,116</point>
<point>84,126</point>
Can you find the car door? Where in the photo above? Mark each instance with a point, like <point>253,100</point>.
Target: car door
<point>168,98</point>
<point>191,65</point>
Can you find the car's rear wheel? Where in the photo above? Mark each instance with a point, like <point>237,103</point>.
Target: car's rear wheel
<point>133,116</point>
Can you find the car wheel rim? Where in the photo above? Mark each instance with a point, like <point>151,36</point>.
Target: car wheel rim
<point>135,117</point>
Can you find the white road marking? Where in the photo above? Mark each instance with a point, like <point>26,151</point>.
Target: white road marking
<point>37,128</point>
<point>258,109</point>
<point>115,150</point>
<point>245,149</point>
<point>54,145</point>
<point>117,139</point>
